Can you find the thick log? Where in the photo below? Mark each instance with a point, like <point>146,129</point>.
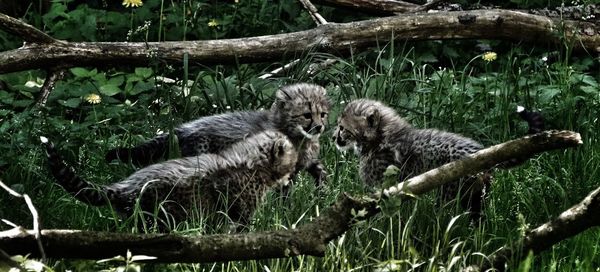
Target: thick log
<point>308,239</point>
<point>333,38</point>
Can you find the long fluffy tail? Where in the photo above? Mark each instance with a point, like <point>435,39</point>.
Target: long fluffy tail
<point>145,154</point>
<point>68,179</point>
<point>535,123</point>
<point>534,120</point>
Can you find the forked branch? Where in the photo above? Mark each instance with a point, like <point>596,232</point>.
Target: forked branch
<point>309,239</point>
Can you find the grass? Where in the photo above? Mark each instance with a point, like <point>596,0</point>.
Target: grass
<point>471,97</point>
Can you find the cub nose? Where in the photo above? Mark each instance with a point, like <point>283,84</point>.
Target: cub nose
<point>319,129</point>
<point>339,141</point>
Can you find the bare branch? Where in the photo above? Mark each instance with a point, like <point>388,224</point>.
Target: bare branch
<point>280,70</point>
<point>308,239</point>
<point>333,38</point>
<point>53,76</point>
<point>486,159</point>
<point>34,214</point>
<point>314,13</point>
<point>568,224</point>
<point>383,7</point>
<point>25,31</point>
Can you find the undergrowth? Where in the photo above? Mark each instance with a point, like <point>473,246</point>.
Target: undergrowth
<point>445,85</point>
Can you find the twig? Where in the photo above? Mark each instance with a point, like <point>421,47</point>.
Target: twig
<point>280,70</point>
<point>308,239</point>
<point>34,214</point>
<point>314,13</point>
<point>24,31</point>
<point>53,76</point>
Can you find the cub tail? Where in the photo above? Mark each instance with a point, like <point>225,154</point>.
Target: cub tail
<point>68,179</point>
<point>534,120</point>
<point>144,154</point>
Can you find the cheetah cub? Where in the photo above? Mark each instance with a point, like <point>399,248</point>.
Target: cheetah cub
<point>382,138</point>
<point>234,181</point>
<point>299,111</point>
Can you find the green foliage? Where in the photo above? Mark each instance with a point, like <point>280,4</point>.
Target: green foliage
<point>446,85</point>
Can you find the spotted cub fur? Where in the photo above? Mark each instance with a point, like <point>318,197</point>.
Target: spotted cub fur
<point>382,138</point>
<point>299,111</point>
<point>234,181</point>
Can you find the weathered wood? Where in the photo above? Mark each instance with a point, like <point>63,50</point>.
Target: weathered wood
<point>308,239</point>
<point>23,30</point>
<point>333,38</point>
<point>383,7</point>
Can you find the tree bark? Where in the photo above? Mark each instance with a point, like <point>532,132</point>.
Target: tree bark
<point>333,38</point>
<point>308,239</point>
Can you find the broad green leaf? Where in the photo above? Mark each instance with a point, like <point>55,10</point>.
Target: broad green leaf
<point>71,103</point>
<point>80,72</point>
<point>117,81</point>
<point>547,93</point>
<point>109,90</point>
<point>589,89</point>
<point>143,72</point>
<point>141,86</point>
<point>590,80</point>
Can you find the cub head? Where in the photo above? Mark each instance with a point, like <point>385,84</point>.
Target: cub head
<point>363,123</point>
<point>301,110</point>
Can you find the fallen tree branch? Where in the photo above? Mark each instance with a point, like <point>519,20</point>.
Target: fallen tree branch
<point>382,7</point>
<point>486,159</point>
<point>333,38</point>
<point>314,13</point>
<point>36,219</point>
<point>24,31</point>
<point>53,76</point>
<point>309,239</point>
<point>568,224</point>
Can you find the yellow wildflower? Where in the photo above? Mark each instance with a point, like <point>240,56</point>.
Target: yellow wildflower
<point>213,23</point>
<point>489,56</point>
<point>93,98</point>
<point>132,3</point>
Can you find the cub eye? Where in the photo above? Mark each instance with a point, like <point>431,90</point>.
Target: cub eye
<point>341,128</point>
<point>307,115</point>
<point>323,114</point>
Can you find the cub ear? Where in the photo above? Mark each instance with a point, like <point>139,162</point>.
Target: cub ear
<point>373,118</point>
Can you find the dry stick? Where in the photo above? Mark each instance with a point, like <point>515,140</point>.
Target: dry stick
<point>309,239</point>
<point>280,70</point>
<point>314,13</point>
<point>569,223</point>
<point>25,31</point>
<point>385,7</point>
<point>34,214</point>
<point>319,20</point>
<point>53,76</point>
<point>334,38</point>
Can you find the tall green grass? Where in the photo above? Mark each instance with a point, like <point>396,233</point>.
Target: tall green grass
<point>467,96</point>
